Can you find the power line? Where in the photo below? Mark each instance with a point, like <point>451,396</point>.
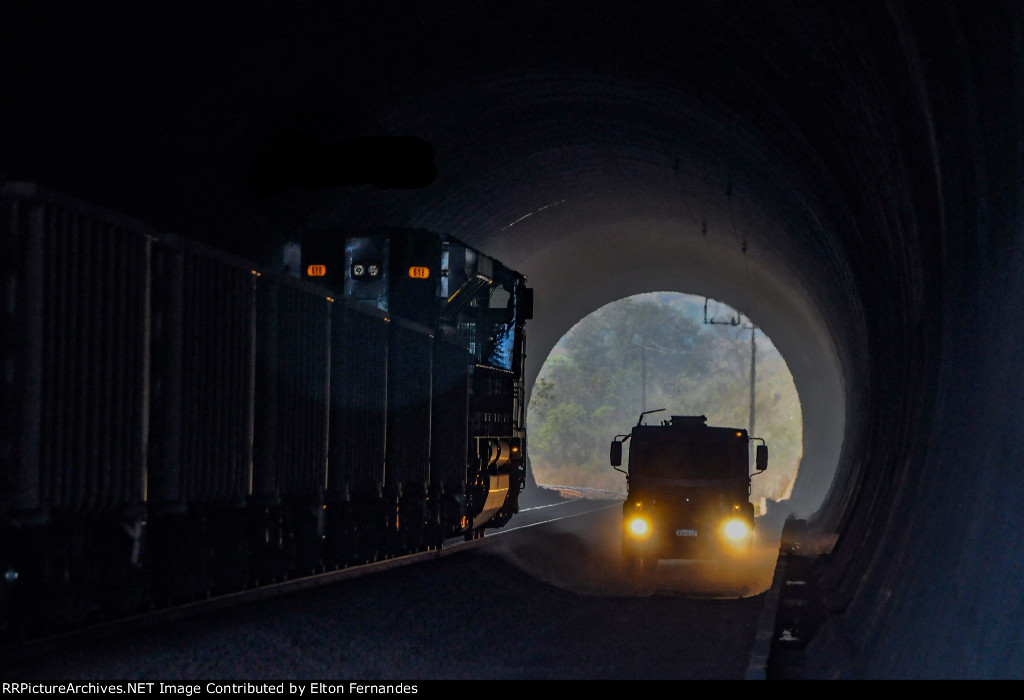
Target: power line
<point>737,322</point>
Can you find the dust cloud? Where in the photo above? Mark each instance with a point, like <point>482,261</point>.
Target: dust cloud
<point>583,555</point>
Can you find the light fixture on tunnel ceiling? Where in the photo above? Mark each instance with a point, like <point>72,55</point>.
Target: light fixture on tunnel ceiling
<point>531,213</point>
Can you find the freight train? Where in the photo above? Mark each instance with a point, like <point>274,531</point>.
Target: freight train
<point>176,422</point>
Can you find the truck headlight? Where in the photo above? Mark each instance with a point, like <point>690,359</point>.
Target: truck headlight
<point>735,530</point>
<point>638,526</point>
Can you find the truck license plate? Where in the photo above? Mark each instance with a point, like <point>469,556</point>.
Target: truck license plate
<point>686,533</point>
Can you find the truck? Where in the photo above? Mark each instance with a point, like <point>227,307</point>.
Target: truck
<point>688,491</point>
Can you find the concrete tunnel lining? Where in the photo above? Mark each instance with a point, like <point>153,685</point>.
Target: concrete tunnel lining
<point>669,255</point>
<point>659,191</point>
<point>860,118</point>
<point>874,151</point>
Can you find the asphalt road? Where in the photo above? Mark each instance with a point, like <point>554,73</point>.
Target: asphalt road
<point>548,601</point>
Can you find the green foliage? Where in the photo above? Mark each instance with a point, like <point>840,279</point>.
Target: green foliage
<point>655,346</point>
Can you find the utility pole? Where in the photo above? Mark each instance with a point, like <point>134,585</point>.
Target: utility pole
<point>643,379</point>
<point>643,374</point>
<point>753,375</point>
<point>654,347</point>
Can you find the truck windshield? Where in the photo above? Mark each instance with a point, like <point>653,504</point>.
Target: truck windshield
<point>677,457</point>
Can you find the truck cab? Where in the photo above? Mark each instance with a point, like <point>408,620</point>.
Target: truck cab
<point>688,490</point>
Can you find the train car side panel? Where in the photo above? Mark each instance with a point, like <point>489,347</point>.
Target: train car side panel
<point>292,387</point>
<point>73,410</point>
<point>356,517</point>
<point>75,291</point>
<point>449,447</point>
<point>291,418</point>
<point>407,459</point>
<point>201,430</point>
<point>203,375</point>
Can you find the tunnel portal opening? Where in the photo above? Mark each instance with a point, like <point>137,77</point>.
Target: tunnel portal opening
<point>688,354</point>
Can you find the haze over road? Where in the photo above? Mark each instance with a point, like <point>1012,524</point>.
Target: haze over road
<point>547,602</point>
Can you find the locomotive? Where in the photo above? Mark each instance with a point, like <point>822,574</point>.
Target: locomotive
<point>177,422</point>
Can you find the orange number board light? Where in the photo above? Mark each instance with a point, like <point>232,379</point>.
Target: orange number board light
<point>419,273</point>
<point>316,270</point>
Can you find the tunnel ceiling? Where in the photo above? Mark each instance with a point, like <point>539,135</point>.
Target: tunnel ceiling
<point>841,172</point>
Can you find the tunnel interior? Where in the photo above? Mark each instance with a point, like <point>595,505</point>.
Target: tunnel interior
<point>660,255</point>
<point>849,175</point>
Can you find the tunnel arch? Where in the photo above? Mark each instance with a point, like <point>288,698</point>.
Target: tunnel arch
<point>569,288</point>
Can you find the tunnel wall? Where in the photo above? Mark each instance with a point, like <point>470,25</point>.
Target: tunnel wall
<point>924,579</point>
<point>897,127</point>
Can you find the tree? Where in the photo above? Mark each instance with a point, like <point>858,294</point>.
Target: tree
<point>591,389</point>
